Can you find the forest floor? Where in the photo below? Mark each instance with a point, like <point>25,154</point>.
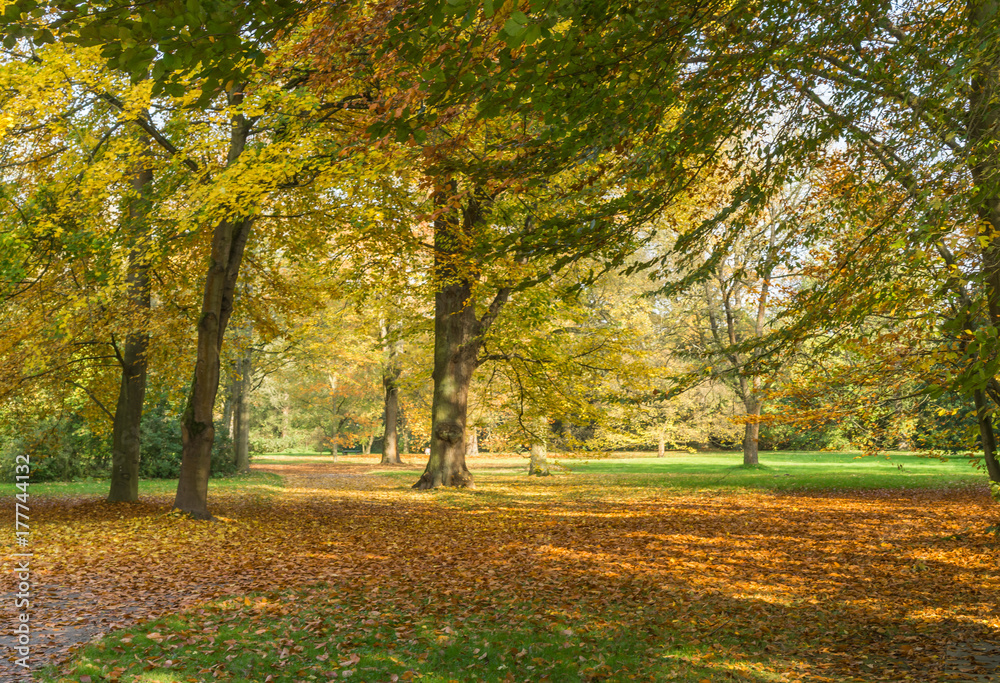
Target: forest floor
<point>608,571</point>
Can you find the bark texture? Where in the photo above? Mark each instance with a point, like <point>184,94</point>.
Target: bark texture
<point>455,349</point>
<point>751,433</point>
<point>229,239</point>
<point>127,424</point>
<point>390,382</point>
<point>458,334</point>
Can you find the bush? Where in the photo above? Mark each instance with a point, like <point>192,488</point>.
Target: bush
<point>161,446</point>
<point>275,444</point>
<point>64,448</point>
<point>59,448</point>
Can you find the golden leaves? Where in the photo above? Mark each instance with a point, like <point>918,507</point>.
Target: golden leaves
<point>825,579</point>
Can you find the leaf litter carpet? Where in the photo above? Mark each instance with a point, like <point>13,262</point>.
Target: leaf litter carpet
<point>850,586</point>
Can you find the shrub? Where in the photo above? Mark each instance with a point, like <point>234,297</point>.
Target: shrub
<point>161,446</point>
<point>59,448</point>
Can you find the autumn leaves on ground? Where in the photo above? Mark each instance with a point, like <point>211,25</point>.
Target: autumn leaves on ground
<point>323,572</point>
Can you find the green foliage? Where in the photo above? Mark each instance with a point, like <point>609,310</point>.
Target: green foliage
<point>219,41</point>
<point>277,444</point>
<point>66,449</point>
<point>59,448</point>
<point>829,437</point>
<point>161,446</point>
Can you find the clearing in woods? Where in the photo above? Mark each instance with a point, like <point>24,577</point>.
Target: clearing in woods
<point>683,569</point>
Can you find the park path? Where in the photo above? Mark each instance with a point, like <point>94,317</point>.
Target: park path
<point>915,589</point>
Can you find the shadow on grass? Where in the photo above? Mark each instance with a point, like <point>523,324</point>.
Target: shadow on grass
<point>534,580</point>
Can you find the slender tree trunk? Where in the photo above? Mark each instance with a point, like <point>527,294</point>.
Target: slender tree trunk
<point>241,414</point>
<point>471,442</point>
<point>390,440</point>
<point>286,419</point>
<point>457,339</point>
<point>229,239</point>
<point>751,433</point>
<point>127,425</point>
<point>390,379</point>
<point>661,450</point>
<point>228,409</point>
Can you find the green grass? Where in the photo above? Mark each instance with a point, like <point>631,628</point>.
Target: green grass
<point>778,471</point>
<point>783,471</point>
<point>787,471</point>
<point>99,487</point>
<point>325,634</point>
<point>376,629</point>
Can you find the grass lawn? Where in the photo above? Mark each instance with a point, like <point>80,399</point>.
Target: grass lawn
<point>253,482</point>
<point>814,567</point>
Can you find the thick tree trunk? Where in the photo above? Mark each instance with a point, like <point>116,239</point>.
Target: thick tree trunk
<point>229,239</point>
<point>984,130</point>
<point>661,449</point>
<point>241,412</point>
<point>126,429</point>
<point>458,335</point>
<point>751,433</point>
<point>455,347</point>
<point>984,416</point>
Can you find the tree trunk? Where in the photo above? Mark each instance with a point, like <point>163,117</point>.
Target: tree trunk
<point>661,450</point>
<point>228,409</point>
<point>241,413</point>
<point>751,433</point>
<point>472,442</point>
<point>984,416</point>
<point>455,347</point>
<point>404,432</point>
<point>984,128</point>
<point>286,419</point>
<point>127,425</point>
<point>390,377</point>
<point>538,465</point>
<point>229,239</point>
<point>457,338</point>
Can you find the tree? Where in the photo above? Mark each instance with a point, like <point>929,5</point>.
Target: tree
<point>147,38</point>
<point>68,190</point>
<point>126,438</point>
<point>390,382</point>
<point>495,184</point>
<point>921,151</point>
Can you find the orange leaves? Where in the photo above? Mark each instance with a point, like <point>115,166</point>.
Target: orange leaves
<point>752,582</point>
